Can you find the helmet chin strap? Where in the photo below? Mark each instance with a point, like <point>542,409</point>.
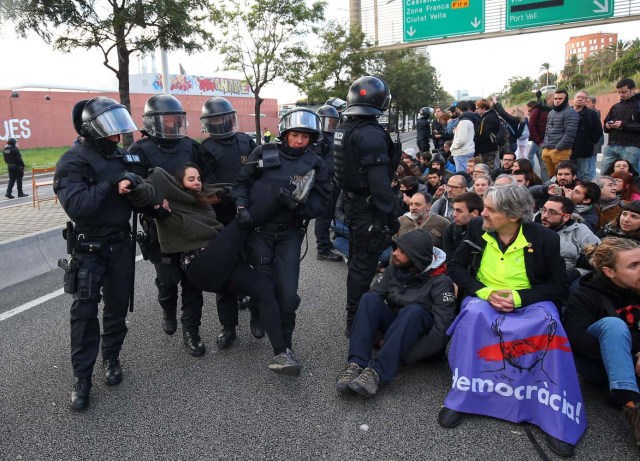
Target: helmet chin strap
<point>104,145</point>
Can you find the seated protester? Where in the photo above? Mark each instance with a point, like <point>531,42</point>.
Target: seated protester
<point>522,177</point>
<point>481,184</point>
<point>456,185</point>
<point>623,165</point>
<point>408,186</point>
<point>627,191</point>
<point>505,335</point>
<point>601,319</point>
<point>418,217</point>
<point>471,163</point>
<point>434,183</point>
<point>556,215</point>
<point>505,180</point>
<point>564,180</point>
<point>609,207</point>
<point>508,160</point>
<point>585,196</point>
<point>446,153</point>
<point>525,165</point>
<point>480,169</point>
<point>413,298</point>
<point>627,225</point>
<point>465,207</point>
<point>438,162</point>
<point>425,160</point>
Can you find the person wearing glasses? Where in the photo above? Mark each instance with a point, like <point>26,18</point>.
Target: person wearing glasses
<point>456,185</point>
<point>556,214</point>
<point>560,132</point>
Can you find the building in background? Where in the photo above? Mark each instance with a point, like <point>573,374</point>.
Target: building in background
<point>584,45</point>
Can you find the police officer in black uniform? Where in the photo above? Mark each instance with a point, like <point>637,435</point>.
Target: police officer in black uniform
<point>273,169</point>
<point>166,145</point>
<point>365,162</point>
<point>223,153</point>
<point>329,119</point>
<point>86,181</point>
<point>423,128</point>
<point>15,165</point>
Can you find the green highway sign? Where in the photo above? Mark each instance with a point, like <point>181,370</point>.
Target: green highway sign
<point>423,19</point>
<point>532,13</point>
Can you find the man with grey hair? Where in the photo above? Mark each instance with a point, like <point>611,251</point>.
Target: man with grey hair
<point>511,263</point>
<point>505,180</point>
<point>588,134</point>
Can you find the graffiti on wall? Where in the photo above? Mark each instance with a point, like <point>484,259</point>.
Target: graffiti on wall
<point>196,85</point>
<point>15,128</point>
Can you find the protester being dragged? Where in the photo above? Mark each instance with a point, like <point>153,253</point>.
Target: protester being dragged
<point>601,319</point>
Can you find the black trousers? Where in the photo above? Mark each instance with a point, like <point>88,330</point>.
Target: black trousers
<point>16,173</point>
<point>363,252</point>
<point>109,271</point>
<point>322,224</point>
<point>168,275</point>
<point>219,267</point>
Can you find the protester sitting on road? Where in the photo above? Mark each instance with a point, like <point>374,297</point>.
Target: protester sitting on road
<point>561,184</point>
<point>601,319</point>
<point>627,225</point>
<point>465,207</point>
<point>626,190</point>
<point>512,272</point>
<point>456,185</point>
<point>210,253</point>
<point>412,298</point>
<point>609,204</point>
<point>418,217</point>
<point>481,183</point>
<point>525,165</point>
<point>505,180</point>
<point>586,195</point>
<point>623,165</point>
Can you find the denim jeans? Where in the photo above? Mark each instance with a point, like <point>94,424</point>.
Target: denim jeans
<point>536,151</point>
<point>615,152</point>
<point>615,347</point>
<point>586,168</point>
<point>461,161</point>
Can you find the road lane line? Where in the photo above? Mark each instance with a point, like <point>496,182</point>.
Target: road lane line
<point>38,301</point>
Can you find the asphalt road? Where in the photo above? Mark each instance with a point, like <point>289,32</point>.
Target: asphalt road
<point>228,405</point>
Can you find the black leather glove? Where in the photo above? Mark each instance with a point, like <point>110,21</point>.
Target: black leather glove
<point>285,197</point>
<point>244,218</point>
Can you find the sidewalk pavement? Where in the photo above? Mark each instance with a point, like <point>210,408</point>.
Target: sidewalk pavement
<point>30,241</point>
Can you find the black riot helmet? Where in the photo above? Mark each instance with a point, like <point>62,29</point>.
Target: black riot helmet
<point>303,120</point>
<point>101,117</point>
<point>219,118</point>
<point>329,118</point>
<point>339,104</point>
<point>426,112</point>
<point>12,141</point>
<point>368,96</point>
<point>164,117</point>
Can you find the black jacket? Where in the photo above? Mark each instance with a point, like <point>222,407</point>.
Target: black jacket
<point>12,156</point>
<point>588,134</point>
<point>595,298</point>
<point>545,267</point>
<point>486,132</point>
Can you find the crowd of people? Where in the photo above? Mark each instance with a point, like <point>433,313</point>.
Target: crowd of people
<point>528,277</point>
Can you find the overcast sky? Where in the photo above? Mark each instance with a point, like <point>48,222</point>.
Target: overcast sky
<point>479,66</point>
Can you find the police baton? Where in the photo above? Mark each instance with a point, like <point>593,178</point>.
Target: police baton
<point>134,233</point>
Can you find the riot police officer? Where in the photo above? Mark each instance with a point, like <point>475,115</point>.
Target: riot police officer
<point>223,153</point>
<point>166,145</point>
<point>86,180</point>
<point>365,162</point>
<point>423,126</point>
<point>15,165</point>
<point>329,119</point>
<point>274,168</point>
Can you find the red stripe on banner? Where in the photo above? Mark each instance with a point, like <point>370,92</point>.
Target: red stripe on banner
<point>524,346</point>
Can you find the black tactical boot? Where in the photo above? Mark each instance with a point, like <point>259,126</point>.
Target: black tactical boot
<point>112,371</point>
<point>169,321</point>
<point>226,338</point>
<point>193,342</point>
<point>80,394</point>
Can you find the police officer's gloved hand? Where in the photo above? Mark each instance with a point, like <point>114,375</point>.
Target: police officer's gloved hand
<point>132,177</point>
<point>285,196</point>
<point>394,224</point>
<point>244,219</point>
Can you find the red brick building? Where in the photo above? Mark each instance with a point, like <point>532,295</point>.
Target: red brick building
<point>583,45</point>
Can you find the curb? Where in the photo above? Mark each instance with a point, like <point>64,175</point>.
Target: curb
<point>32,255</point>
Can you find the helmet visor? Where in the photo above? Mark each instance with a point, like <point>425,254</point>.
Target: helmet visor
<point>300,120</point>
<point>339,104</point>
<point>111,122</point>
<point>221,126</point>
<point>329,124</point>
<point>166,126</point>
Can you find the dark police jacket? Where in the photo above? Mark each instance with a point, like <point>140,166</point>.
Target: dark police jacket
<point>165,154</point>
<point>544,265</point>
<point>223,158</point>
<point>256,183</point>
<point>86,183</point>
<point>12,156</point>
